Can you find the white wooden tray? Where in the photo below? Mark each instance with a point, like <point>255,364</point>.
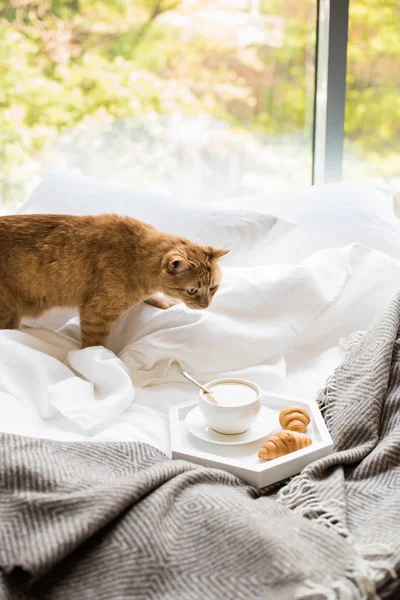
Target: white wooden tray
<point>243,460</point>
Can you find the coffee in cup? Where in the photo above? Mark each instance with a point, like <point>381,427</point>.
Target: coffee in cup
<point>233,407</point>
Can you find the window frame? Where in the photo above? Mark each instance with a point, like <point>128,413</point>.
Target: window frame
<point>330,90</point>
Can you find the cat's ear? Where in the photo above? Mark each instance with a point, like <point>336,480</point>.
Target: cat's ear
<point>176,264</point>
<point>215,253</point>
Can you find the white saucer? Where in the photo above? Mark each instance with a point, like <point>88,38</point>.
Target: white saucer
<point>263,426</point>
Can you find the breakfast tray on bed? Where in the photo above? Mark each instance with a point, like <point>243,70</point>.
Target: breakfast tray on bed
<point>242,459</point>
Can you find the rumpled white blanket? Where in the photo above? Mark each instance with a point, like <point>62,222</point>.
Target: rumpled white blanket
<point>48,374</point>
<point>270,324</point>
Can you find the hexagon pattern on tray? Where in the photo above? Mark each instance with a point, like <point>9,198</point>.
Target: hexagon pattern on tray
<point>242,460</point>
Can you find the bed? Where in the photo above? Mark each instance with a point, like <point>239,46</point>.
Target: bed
<point>305,270</point>
<point>308,272</point>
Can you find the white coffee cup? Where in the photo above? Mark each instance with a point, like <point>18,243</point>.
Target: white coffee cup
<point>231,418</point>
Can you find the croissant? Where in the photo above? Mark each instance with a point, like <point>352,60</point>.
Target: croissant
<point>283,443</point>
<point>294,418</point>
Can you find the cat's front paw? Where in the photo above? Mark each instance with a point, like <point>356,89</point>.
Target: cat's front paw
<point>170,302</point>
<point>162,302</point>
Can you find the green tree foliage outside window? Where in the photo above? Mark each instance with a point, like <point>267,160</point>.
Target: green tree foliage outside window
<point>62,61</point>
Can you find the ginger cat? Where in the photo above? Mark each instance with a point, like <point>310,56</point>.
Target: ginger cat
<point>101,264</point>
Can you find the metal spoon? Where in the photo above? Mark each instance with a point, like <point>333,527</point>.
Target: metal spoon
<point>205,390</point>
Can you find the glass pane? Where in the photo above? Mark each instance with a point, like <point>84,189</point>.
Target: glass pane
<point>372,122</point>
<point>202,98</point>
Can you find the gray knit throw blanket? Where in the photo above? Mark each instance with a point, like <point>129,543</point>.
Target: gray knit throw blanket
<point>83,521</point>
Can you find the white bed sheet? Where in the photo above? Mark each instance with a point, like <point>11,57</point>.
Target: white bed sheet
<point>35,360</point>
<point>49,388</point>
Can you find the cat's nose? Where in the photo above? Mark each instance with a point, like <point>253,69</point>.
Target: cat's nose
<point>204,303</point>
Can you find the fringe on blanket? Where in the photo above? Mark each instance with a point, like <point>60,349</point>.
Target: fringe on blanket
<point>351,340</point>
<point>359,581</point>
<point>328,392</point>
<point>300,494</point>
<point>372,564</point>
<point>301,497</point>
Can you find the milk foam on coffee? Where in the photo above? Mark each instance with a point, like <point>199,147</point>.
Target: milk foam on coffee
<point>233,394</point>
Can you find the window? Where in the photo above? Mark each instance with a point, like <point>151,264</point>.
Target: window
<point>206,98</point>
<point>372,122</point>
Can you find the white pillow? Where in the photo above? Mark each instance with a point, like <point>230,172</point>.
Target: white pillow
<point>330,216</point>
<point>375,279</point>
<point>248,234</point>
<point>256,313</point>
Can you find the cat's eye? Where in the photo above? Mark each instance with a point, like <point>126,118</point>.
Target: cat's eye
<point>192,291</point>
<point>213,288</point>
